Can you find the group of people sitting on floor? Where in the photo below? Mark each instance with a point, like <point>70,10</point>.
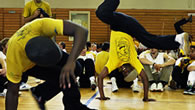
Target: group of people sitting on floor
<point>162,67</point>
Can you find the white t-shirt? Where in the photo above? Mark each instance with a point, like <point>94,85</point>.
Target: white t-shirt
<point>2,55</point>
<point>87,56</point>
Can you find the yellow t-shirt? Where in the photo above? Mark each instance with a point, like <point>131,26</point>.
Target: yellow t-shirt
<point>122,50</point>
<point>17,61</point>
<point>32,6</point>
<point>94,55</point>
<point>101,60</point>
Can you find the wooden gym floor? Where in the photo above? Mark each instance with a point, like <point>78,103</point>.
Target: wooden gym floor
<point>124,99</point>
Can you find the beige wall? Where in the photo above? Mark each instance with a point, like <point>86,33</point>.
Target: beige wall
<point>11,3</point>
<point>125,4</point>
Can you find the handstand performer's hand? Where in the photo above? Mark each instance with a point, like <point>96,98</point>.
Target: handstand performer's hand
<point>103,98</point>
<point>148,100</point>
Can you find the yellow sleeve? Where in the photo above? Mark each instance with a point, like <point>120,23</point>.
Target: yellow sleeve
<point>26,12</point>
<point>52,27</point>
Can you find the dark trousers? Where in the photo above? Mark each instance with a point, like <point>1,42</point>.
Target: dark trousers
<point>51,87</point>
<point>89,67</point>
<point>178,25</point>
<point>3,81</point>
<point>181,77</point>
<point>24,78</point>
<point>124,23</point>
<point>120,79</point>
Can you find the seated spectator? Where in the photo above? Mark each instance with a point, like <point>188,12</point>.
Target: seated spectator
<point>62,45</point>
<point>141,48</point>
<point>190,89</point>
<point>99,47</point>
<point>94,48</point>
<point>102,57</point>
<point>89,49</point>
<point>3,79</point>
<point>87,77</point>
<point>158,67</point>
<point>180,75</point>
<point>173,53</point>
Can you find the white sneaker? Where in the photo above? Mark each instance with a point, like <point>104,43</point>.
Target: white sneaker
<point>93,85</point>
<point>185,46</point>
<point>114,85</point>
<point>3,94</point>
<point>160,87</point>
<point>24,87</point>
<point>136,88</point>
<point>153,87</point>
<point>114,88</point>
<point>37,80</point>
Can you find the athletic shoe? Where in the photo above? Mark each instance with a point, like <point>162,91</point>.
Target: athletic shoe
<point>189,91</point>
<point>114,87</point>
<point>153,87</point>
<point>136,88</point>
<point>38,99</point>
<point>160,87</point>
<point>193,91</point>
<point>173,85</point>
<point>3,94</point>
<point>37,80</point>
<point>185,46</point>
<point>24,87</point>
<point>93,85</point>
<point>190,19</point>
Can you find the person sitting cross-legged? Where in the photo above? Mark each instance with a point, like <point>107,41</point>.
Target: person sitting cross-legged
<point>158,67</point>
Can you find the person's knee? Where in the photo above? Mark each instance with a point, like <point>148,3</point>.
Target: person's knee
<point>89,61</point>
<point>78,69</point>
<point>99,12</point>
<point>104,15</point>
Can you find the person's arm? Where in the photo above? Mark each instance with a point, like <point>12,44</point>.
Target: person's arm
<point>30,18</point>
<point>102,75</point>
<point>145,61</point>
<point>146,86</point>
<point>169,60</point>
<point>80,38</point>
<point>191,68</point>
<point>12,96</point>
